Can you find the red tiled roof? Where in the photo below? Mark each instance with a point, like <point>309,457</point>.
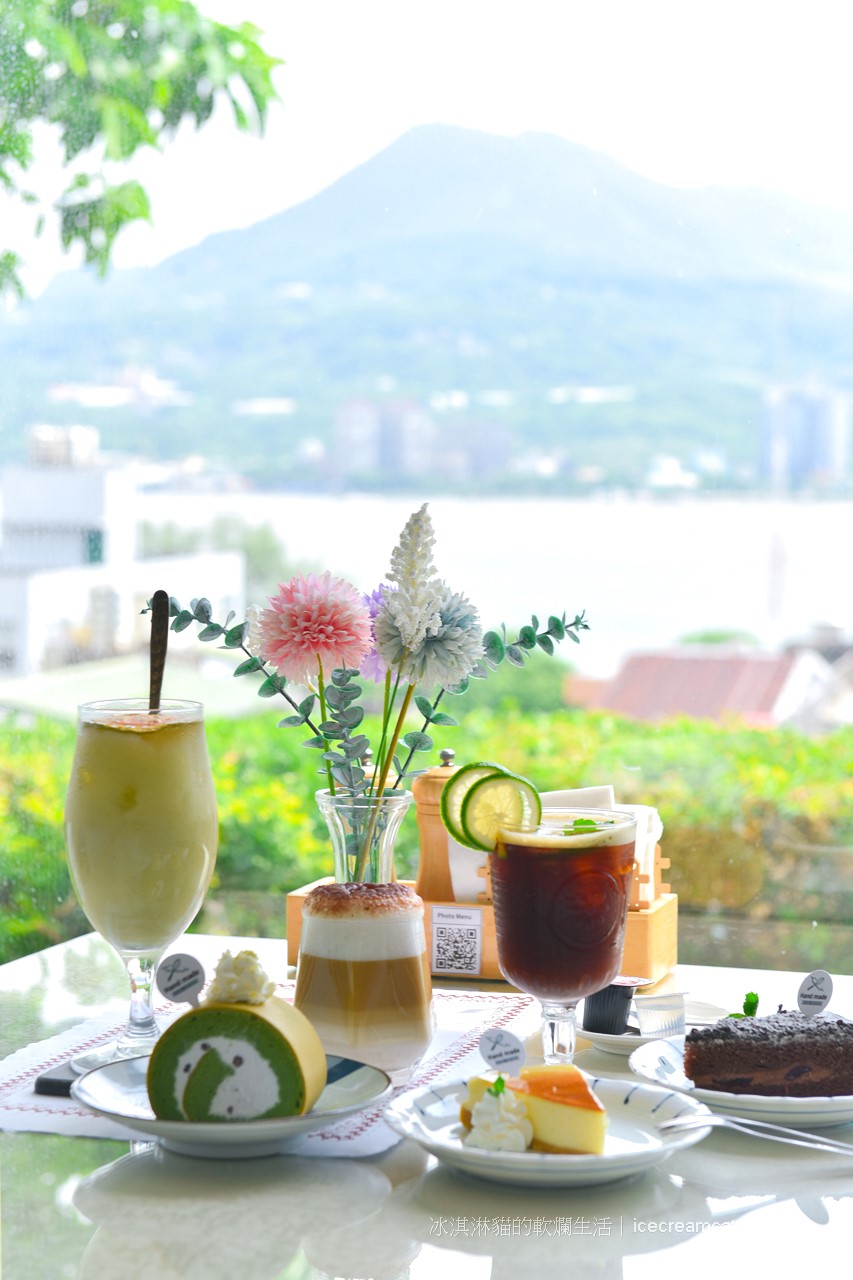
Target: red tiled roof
<point>652,686</point>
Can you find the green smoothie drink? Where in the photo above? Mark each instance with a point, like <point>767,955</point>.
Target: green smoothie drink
<point>141,823</point>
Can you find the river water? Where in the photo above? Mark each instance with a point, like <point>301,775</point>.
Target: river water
<point>647,571</point>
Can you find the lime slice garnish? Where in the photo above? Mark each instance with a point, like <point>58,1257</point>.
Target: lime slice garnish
<point>456,789</point>
<point>501,800</point>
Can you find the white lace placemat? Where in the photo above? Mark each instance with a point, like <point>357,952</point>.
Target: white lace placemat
<point>461,1018</point>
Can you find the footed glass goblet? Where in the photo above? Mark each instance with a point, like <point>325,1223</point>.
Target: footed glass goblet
<point>560,895</point>
<point>141,832</point>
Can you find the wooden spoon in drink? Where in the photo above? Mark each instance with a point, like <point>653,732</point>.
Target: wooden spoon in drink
<point>159,642</point>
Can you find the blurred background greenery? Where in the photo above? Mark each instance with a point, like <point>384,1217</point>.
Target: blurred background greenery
<point>758,824</point>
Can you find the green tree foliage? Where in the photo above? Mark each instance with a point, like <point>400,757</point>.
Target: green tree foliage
<point>720,636</point>
<point>112,76</point>
<point>537,687</point>
<point>266,559</point>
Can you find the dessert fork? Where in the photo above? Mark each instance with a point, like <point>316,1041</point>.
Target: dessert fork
<point>757,1129</point>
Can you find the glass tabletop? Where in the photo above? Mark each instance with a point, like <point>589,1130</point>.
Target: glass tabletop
<point>86,1208</point>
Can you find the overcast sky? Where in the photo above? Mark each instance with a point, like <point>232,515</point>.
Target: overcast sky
<point>688,92</point>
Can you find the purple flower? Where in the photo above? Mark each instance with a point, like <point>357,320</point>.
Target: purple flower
<point>373,666</point>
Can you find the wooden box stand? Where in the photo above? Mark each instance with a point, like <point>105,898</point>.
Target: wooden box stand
<point>651,936</point>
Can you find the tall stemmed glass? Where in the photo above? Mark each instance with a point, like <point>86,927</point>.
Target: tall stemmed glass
<point>141,832</point>
<point>560,895</point>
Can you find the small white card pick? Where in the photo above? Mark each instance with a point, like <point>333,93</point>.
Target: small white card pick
<point>815,992</point>
<point>180,978</point>
<point>502,1050</point>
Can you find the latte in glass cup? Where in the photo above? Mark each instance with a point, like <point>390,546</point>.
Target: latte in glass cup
<point>363,978</point>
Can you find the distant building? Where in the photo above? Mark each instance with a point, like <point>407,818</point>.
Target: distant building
<point>400,438</point>
<point>716,683</point>
<point>378,437</point>
<point>805,437</point>
<point>71,586</point>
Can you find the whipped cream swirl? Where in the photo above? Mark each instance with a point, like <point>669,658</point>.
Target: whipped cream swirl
<point>499,1123</point>
<point>240,979</point>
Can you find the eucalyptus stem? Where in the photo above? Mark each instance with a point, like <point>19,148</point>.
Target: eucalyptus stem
<point>387,707</point>
<point>408,760</point>
<point>321,693</point>
<point>395,737</point>
<point>364,851</point>
<point>263,667</point>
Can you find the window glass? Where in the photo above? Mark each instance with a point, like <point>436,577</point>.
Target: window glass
<point>576,275</point>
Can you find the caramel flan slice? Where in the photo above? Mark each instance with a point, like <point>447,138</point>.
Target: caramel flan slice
<point>566,1115</point>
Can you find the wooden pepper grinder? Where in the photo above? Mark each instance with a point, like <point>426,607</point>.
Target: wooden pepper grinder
<point>433,882</point>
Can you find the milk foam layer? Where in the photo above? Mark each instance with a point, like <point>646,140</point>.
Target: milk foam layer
<point>383,938</point>
<point>554,832</point>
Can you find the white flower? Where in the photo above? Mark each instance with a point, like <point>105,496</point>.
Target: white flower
<point>448,650</point>
<point>411,560</point>
<point>412,610</point>
<point>254,637</point>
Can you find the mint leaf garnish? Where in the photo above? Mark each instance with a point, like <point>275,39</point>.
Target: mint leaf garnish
<point>497,1088</point>
<point>587,824</point>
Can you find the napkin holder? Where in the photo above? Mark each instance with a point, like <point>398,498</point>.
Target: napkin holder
<point>457,897</point>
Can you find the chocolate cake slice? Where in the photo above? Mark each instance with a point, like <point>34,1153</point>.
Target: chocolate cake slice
<point>784,1055</point>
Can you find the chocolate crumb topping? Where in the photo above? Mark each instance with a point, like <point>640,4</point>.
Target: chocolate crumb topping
<point>359,900</point>
<point>777,1030</point>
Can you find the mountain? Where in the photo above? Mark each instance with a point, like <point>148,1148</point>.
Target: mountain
<point>461,260</point>
<point>539,195</point>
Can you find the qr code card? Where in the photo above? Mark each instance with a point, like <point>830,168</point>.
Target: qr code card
<point>457,941</point>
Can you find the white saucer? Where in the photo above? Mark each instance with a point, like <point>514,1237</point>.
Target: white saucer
<point>633,1143</point>
<point>622,1044</point>
<point>662,1062</point>
<point>696,1014</point>
<point>118,1092</point>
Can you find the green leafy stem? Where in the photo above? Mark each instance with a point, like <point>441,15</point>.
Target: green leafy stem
<point>496,649</point>
<point>336,736</point>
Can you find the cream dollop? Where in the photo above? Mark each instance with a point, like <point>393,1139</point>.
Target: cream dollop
<point>240,979</point>
<point>499,1123</point>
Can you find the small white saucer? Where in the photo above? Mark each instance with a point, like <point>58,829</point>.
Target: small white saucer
<point>118,1092</point>
<point>696,1014</point>
<point>623,1044</point>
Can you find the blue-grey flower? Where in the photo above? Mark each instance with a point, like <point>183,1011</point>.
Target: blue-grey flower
<point>446,654</point>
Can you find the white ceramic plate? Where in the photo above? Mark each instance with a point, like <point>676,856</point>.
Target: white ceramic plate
<point>662,1062</point>
<point>431,1118</point>
<point>118,1092</point>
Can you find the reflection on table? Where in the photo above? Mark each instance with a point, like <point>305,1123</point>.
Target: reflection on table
<point>89,1209</point>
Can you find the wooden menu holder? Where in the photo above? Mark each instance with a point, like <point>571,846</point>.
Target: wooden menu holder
<point>651,936</point>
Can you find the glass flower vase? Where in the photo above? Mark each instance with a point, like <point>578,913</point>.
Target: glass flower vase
<point>363,830</point>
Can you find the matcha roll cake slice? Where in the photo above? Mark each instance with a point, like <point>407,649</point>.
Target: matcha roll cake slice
<point>243,1054</point>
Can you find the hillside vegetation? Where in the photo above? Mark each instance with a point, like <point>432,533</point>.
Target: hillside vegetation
<point>458,261</point>
<point>758,825</point>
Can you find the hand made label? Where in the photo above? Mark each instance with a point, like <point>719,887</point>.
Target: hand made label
<point>815,992</point>
<point>180,977</point>
<point>502,1050</point>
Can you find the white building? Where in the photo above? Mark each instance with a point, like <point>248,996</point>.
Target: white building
<point>71,587</point>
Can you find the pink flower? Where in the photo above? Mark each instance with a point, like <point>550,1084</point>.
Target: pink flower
<point>314,620</point>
